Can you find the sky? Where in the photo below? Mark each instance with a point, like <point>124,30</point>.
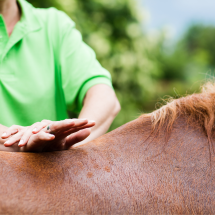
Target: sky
<point>177,15</point>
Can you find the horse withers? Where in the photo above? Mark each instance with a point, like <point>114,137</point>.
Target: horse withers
<point>160,163</point>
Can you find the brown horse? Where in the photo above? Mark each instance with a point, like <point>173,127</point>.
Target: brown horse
<point>160,163</point>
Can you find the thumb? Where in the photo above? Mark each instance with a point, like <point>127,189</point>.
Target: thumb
<point>77,137</point>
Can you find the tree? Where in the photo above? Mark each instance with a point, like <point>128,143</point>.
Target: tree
<point>193,56</point>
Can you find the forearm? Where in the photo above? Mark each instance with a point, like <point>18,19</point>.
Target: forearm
<point>101,105</point>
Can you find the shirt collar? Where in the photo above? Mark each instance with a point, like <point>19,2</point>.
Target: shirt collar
<point>29,20</point>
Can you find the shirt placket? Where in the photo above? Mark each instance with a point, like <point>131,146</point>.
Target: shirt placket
<point>3,37</point>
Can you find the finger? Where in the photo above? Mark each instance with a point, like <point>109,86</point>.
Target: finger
<point>39,126</point>
<point>43,136</point>
<point>38,141</point>
<point>73,130</point>
<point>35,128</point>
<point>10,131</point>
<point>28,132</point>
<point>14,139</point>
<point>25,137</point>
<point>62,126</point>
<point>77,137</point>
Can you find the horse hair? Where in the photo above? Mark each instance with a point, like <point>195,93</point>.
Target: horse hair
<point>198,109</point>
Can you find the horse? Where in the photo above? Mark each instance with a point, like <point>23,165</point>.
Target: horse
<point>160,163</point>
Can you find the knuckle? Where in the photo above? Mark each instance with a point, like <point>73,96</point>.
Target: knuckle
<point>53,126</point>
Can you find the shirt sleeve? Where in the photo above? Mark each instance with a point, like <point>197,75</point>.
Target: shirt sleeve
<point>79,68</point>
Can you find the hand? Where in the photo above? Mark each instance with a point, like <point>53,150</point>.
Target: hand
<point>22,134</point>
<point>11,130</point>
<point>61,136</point>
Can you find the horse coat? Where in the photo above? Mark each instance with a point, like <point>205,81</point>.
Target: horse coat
<point>160,163</point>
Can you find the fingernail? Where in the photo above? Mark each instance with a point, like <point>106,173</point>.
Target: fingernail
<point>51,135</point>
<point>4,134</point>
<point>35,129</point>
<point>91,121</point>
<point>7,142</point>
<point>20,142</point>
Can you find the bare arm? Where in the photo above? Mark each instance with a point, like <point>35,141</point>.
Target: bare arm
<point>101,105</point>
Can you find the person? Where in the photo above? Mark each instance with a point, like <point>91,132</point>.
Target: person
<point>45,70</point>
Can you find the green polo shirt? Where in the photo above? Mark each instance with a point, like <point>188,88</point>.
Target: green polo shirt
<point>45,67</point>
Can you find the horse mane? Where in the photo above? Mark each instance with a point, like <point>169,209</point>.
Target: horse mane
<point>198,109</point>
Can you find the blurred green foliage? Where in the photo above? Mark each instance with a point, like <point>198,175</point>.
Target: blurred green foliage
<point>143,67</point>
